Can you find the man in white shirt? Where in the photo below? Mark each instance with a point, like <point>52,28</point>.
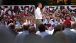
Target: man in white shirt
<point>48,21</point>
<point>38,15</point>
<point>59,21</point>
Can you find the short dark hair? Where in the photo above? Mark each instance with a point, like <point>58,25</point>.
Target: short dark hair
<point>67,16</point>
<point>25,27</point>
<point>1,18</point>
<point>31,29</point>
<point>11,21</point>
<point>57,28</point>
<point>38,4</point>
<point>41,28</point>
<point>11,26</point>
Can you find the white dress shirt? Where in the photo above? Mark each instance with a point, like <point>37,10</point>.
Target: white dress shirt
<point>50,31</point>
<point>42,34</point>
<point>38,14</point>
<point>56,22</point>
<point>28,21</point>
<point>44,21</point>
<point>48,22</point>
<point>60,21</point>
<point>19,32</point>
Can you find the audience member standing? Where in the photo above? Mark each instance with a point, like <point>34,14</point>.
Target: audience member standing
<point>6,36</point>
<point>20,37</point>
<point>11,27</point>
<point>32,30</point>
<point>57,28</point>
<point>67,31</point>
<point>42,31</point>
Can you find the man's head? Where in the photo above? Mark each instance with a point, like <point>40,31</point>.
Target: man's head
<point>25,26</point>
<point>15,19</point>
<point>58,18</point>
<point>11,26</point>
<point>1,19</point>
<point>73,25</point>
<point>48,18</point>
<point>9,17</point>
<point>31,29</point>
<point>44,17</point>
<point>39,5</point>
<point>67,17</point>
<point>58,27</point>
<point>72,19</point>
<point>67,24</point>
<point>41,28</point>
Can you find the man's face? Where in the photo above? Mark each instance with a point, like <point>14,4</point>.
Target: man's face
<point>58,18</point>
<point>15,19</point>
<point>40,5</point>
<point>9,17</point>
<point>48,18</point>
<point>67,18</point>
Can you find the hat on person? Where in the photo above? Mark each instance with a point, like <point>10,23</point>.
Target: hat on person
<point>67,22</point>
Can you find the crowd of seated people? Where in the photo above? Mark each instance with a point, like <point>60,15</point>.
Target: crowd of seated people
<point>50,18</point>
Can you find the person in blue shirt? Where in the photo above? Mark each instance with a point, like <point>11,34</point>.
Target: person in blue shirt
<point>20,37</point>
<point>42,31</point>
<point>67,31</point>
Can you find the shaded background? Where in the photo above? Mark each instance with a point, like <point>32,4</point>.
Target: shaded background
<point>34,2</point>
